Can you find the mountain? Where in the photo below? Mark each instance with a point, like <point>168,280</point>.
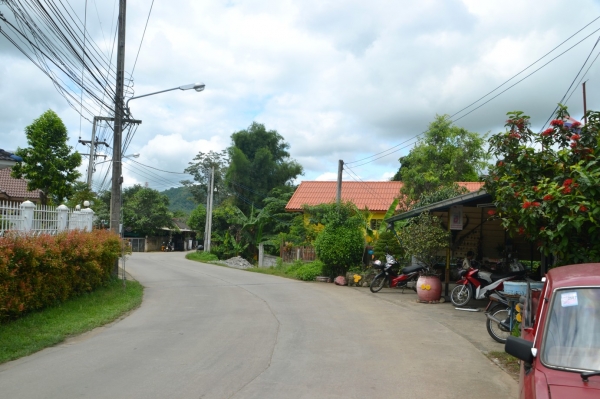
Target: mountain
<point>180,200</point>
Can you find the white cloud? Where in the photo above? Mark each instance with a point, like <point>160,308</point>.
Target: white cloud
<point>338,80</point>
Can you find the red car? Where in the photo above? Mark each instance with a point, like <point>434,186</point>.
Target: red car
<point>559,348</point>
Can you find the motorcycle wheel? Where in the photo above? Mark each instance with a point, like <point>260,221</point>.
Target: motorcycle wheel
<point>461,295</point>
<point>377,283</point>
<point>496,330</point>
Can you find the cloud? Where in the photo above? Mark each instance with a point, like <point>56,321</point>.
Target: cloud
<point>338,80</point>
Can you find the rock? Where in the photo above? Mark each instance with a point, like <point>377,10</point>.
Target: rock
<point>238,262</point>
<point>340,280</point>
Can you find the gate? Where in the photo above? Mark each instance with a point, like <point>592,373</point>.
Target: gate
<point>138,244</point>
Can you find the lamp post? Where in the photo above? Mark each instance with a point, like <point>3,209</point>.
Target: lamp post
<point>196,86</point>
<point>117,179</point>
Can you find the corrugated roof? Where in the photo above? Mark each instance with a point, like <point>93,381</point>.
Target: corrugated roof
<point>374,195</point>
<point>15,189</point>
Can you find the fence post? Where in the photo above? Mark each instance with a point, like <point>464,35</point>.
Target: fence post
<point>27,209</point>
<point>63,217</point>
<point>87,216</point>
<point>261,255</point>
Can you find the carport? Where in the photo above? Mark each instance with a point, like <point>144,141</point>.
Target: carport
<point>474,229</point>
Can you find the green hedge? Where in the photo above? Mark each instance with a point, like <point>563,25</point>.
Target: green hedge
<point>38,271</point>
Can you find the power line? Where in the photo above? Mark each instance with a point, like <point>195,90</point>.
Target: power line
<point>143,35</point>
<point>398,147</point>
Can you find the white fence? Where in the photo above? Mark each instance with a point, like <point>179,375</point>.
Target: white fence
<point>32,219</point>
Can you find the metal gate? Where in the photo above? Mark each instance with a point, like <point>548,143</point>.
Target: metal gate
<point>138,244</point>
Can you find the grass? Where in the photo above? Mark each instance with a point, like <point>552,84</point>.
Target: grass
<point>297,270</point>
<point>507,362</point>
<point>39,330</point>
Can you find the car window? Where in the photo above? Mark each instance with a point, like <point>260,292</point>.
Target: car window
<point>572,336</point>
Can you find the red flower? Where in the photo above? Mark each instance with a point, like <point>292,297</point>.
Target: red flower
<point>535,204</point>
<point>573,145</point>
<point>583,208</point>
<point>542,228</point>
<point>500,163</point>
<point>557,122</point>
<point>526,204</point>
<point>521,230</point>
<point>514,135</point>
<point>575,137</point>
<point>491,212</point>
<point>568,182</point>
<point>536,189</point>
<point>548,132</point>
<point>548,197</point>
<point>575,125</point>
<point>566,190</point>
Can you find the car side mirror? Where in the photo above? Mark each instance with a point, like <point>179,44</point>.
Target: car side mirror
<point>519,348</point>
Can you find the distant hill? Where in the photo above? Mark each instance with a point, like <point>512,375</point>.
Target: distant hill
<point>180,200</point>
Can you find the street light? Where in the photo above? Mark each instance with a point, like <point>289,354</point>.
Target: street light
<point>117,179</point>
<point>196,86</point>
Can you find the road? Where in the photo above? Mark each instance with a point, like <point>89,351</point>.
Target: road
<point>206,331</point>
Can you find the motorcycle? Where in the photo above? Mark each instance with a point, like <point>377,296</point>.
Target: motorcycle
<point>408,275</point>
<point>498,313</point>
<point>479,284</point>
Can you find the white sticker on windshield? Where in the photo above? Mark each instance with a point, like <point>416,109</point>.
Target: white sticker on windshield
<point>568,299</point>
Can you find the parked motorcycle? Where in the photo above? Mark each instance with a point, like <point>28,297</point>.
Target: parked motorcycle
<point>406,279</point>
<point>498,312</point>
<point>478,284</point>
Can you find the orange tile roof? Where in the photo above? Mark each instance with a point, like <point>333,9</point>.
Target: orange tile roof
<point>377,196</point>
<point>15,189</point>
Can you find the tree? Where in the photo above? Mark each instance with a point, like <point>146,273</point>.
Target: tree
<point>341,243</point>
<point>201,170</point>
<point>197,219</point>
<point>259,162</point>
<point>145,211</point>
<point>424,238</point>
<point>445,155</point>
<point>546,186</point>
<point>48,163</point>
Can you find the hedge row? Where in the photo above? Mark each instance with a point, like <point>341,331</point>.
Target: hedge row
<point>39,271</point>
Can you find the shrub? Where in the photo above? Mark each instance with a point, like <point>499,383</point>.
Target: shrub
<point>308,271</point>
<point>339,247</point>
<point>36,272</point>
<point>387,243</point>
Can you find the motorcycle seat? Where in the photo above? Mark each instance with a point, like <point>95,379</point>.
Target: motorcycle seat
<point>412,269</point>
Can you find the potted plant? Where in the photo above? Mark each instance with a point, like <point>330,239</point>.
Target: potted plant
<point>424,238</point>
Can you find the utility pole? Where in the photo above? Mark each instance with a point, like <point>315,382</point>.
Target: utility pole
<point>584,106</point>
<point>115,197</point>
<point>206,249</point>
<point>208,229</point>
<point>339,181</point>
<point>94,143</point>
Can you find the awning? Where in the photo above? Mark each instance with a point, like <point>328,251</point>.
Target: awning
<point>476,199</point>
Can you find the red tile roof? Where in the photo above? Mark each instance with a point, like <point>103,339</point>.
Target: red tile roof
<point>15,189</point>
<point>377,196</point>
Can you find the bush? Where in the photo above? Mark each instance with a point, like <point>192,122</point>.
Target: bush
<point>387,243</point>
<point>308,271</point>
<point>339,247</point>
<point>38,271</point>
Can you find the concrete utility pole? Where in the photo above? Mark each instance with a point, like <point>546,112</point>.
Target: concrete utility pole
<point>339,181</point>
<point>115,198</point>
<point>584,106</point>
<point>209,208</point>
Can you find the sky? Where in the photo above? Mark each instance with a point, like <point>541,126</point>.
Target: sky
<point>339,80</point>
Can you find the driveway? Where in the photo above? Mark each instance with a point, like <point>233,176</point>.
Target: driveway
<point>205,331</point>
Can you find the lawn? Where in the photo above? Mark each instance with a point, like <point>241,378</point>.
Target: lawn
<point>39,330</point>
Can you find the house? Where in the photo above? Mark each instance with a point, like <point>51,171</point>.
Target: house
<point>8,159</point>
<point>15,190</point>
<point>376,196</point>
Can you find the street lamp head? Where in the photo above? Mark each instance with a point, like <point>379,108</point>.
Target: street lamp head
<point>195,86</point>
<point>136,155</point>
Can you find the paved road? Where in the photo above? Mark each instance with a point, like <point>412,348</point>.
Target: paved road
<point>206,331</point>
